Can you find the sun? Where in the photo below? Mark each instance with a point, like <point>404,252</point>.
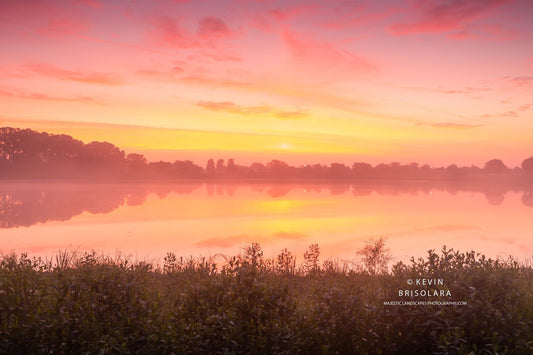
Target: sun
<point>285,146</point>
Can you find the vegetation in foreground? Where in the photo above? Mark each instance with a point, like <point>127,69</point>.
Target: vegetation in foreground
<point>86,303</point>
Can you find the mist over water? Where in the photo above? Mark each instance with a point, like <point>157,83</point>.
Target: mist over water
<point>147,220</point>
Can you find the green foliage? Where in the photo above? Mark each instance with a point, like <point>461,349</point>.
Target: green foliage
<point>90,303</point>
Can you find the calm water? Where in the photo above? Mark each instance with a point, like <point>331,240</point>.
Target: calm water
<point>207,219</point>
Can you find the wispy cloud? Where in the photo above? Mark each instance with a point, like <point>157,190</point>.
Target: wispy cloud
<point>45,97</point>
<point>524,80</point>
<point>444,16</point>
<point>290,115</point>
<point>231,107</point>
<point>451,125</point>
<point>73,75</point>
<point>210,27</point>
<point>506,114</point>
<point>170,31</point>
<point>309,53</point>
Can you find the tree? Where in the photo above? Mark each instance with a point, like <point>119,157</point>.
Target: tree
<point>375,256</point>
<point>527,165</point>
<point>136,159</point>
<point>495,166</point>
<point>210,168</point>
<point>311,259</point>
<point>231,165</point>
<point>220,166</point>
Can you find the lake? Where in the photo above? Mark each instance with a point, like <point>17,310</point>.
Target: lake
<point>149,220</point>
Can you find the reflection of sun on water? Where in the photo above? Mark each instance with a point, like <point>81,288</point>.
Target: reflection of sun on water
<point>280,206</point>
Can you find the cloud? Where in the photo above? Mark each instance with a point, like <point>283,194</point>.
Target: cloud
<point>444,16</point>
<point>91,3</point>
<point>210,27</point>
<point>223,242</point>
<point>314,55</point>
<point>290,235</point>
<point>170,75</point>
<point>231,107</point>
<point>214,81</point>
<point>484,32</point>
<point>167,30</point>
<point>288,115</point>
<point>451,125</point>
<point>520,80</point>
<point>508,114</point>
<point>45,97</point>
<point>271,19</point>
<point>72,75</point>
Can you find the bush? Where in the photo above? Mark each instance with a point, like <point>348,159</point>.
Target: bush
<point>89,303</point>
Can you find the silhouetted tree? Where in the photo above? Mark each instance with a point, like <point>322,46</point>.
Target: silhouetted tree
<point>527,165</point>
<point>527,198</point>
<point>495,166</point>
<point>210,168</point>
<point>311,259</point>
<point>278,168</point>
<point>375,256</point>
<point>220,167</point>
<point>361,169</point>
<point>338,170</point>
<point>231,168</point>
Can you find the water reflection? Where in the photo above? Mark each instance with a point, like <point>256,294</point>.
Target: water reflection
<point>23,204</point>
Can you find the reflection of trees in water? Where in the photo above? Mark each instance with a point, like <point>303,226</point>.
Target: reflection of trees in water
<point>26,204</point>
<point>527,198</point>
<point>23,205</point>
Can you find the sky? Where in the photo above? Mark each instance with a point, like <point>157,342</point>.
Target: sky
<point>436,82</point>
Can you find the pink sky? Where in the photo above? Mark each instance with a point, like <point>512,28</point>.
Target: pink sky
<point>429,81</point>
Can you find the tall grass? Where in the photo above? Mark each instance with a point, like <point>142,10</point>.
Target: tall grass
<point>90,303</point>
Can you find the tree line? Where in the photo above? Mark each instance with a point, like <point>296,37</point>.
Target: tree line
<point>25,153</point>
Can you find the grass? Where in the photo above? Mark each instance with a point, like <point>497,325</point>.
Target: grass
<point>90,303</point>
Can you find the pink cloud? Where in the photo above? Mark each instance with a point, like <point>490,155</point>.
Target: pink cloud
<point>452,125</point>
<point>507,114</point>
<point>91,3</point>
<point>271,19</point>
<point>484,32</point>
<point>521,80</point>
<point>210,27</point>
<point>444,16</point>
<point>231,107</point>
<point>215,82</point>
<point>72,75</point>
<point>317,54</point>
<point>168,31</point>
<point>291,115</point>
<point>50,18</point>
<point>45,97</point>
